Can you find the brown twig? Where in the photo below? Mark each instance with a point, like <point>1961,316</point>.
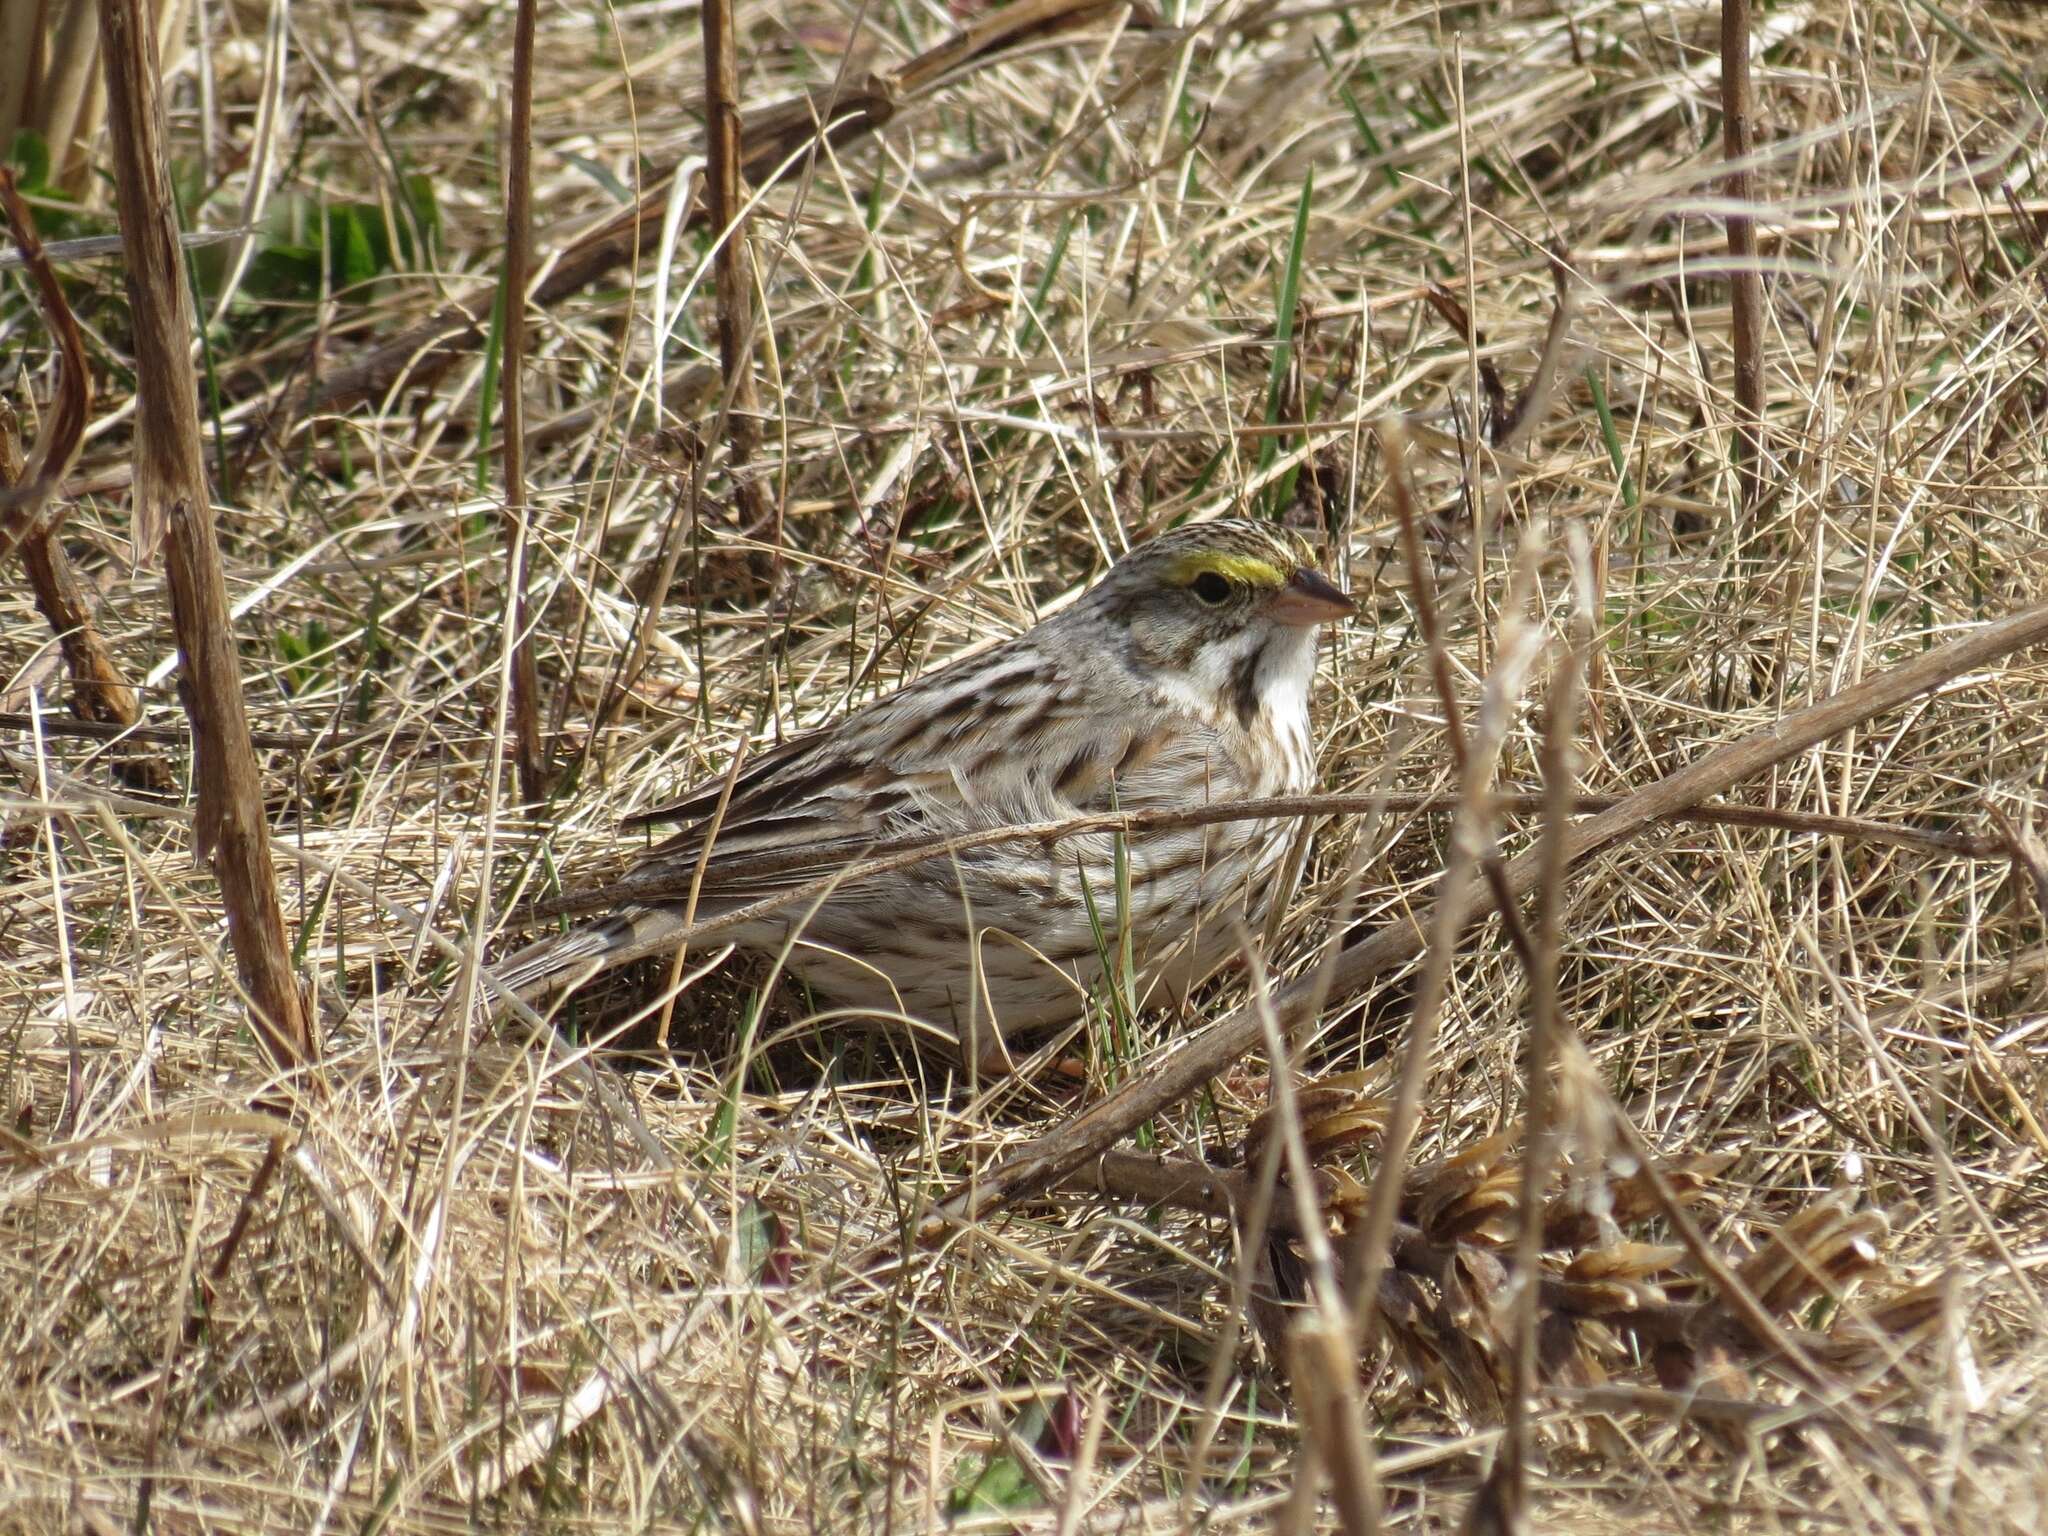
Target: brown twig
<point>1052,1156</point>
<point>725,199</point>
<point>245,1212</point>
<point>182,1299</point>
<point>171,506</point>
<point>670,881</point>
<point>1746,283</point>
<point>1179,1182</point>
<point>99,693</point>
<point>526,744</point>
<point>56,446</point>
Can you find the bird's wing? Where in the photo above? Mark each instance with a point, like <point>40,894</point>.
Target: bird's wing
<point>1001,737</point>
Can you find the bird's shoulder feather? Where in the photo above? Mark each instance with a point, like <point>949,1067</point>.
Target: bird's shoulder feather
<point>1008,735</point>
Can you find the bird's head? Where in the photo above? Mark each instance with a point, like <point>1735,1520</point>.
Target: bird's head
<point>1225,609</point>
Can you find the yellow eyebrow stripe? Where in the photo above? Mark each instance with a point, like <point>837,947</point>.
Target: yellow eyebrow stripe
<point>1248,570</point>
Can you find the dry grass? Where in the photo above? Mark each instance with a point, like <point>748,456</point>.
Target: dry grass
<point>1028,322</point>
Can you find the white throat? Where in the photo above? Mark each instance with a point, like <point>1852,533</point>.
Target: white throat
<point>1287,671</point>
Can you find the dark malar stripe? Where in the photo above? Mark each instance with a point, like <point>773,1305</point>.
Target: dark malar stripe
<point>1244,690</point>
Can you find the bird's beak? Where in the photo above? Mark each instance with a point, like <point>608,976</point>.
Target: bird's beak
<point>1310,598</point>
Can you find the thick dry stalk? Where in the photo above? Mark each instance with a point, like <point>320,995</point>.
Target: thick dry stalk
<point>171,506</point>
<point>1061,1151</point>
<point>1746,283</point>
<point>725,198</point>
<point>526,746</point>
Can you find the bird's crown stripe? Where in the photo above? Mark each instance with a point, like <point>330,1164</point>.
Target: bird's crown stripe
<point>1252,570</point>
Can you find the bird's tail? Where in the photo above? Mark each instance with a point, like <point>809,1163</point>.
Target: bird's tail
<point>555,964</point>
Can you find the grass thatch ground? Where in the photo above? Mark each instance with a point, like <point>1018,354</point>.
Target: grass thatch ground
<point>1028,321</point>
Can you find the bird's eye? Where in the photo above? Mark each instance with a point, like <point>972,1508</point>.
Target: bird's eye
<point>1212,588</point>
